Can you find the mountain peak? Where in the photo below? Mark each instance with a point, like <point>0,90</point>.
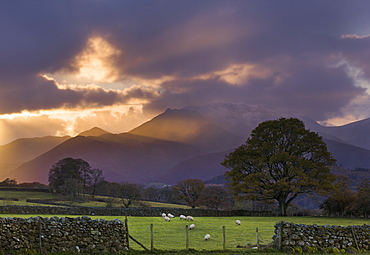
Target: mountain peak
<point>95,131</point>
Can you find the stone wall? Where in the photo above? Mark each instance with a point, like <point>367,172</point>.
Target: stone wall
<point>292,237</point>
<point>54,234</point>
<point>103,211</point>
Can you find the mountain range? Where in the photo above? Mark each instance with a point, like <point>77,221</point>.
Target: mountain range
<point>175,145</point>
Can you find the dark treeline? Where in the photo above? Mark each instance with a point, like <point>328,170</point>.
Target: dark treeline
<point>76,181</point>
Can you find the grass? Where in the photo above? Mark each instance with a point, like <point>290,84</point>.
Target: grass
<point>170,236</point>
<point>22,196</point>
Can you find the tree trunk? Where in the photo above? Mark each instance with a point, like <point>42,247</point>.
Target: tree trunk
<point>282,207</point>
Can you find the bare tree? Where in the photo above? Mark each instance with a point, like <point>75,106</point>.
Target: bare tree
<point>189,190</point>
<point>96,178</point>
<point>130,194</point>
<point>213,197</point>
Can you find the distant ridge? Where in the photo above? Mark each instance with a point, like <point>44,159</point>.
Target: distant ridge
<point>25,149</point>
<point>188,127</point>
<point>175,145</point>
<point>95,131</point>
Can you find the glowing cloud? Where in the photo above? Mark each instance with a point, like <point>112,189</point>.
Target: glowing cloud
<point>354,36</point>
<point>95,61</point>
<point>238,74</point>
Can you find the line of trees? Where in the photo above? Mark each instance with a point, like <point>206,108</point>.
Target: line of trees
<point>346,201</point>
<point>74,177</point>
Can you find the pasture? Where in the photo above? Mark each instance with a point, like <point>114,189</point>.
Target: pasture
<point>171,236</point>
<point>22,197</point>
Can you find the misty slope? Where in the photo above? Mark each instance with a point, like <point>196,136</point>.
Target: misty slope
<point>203,167</point>
<point>356,133</point>
<point>180,144</point>
<point>123,157</point>
<point>188,127</point>
<point>95,131</point>
<point>348,156</point>
<point>22,150</point>
<point>239,119</point>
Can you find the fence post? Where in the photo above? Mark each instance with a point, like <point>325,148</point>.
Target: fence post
<point>354,237</point>
<point>151,238</point>
<point>186,237</point>
<point>40,237</point>
<point>280,237</point>
<point>224,237</point>
<point>257,239</point>
<point>127,233</point>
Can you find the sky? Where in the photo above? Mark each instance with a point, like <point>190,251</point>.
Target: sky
<point>67,66</point>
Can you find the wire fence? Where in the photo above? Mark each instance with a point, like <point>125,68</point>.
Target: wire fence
<point>182,237</point>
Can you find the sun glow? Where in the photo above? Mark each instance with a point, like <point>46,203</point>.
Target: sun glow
<point>95,61</point>
<point>23,114</point>
<point>238,74</point>
<point>79,120</point>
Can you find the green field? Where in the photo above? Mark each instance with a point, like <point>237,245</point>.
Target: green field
<point>171,235</point>
<point>22,196</point>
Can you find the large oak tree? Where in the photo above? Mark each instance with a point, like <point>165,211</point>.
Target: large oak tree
<point>68,174</point>
<point>279,161</point>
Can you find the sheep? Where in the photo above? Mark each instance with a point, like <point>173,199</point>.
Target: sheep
<point>170,215</point>
<point>207,237</point>
<point>238,222</point>
<point>163,215</point>
<point>189,218</point>
<point>167,218</point>
<point>182,217</point>
<point>192,226</point>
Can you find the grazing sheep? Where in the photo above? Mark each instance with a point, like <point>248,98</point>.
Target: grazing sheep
<point>192,226</point>
<point>207,237</point>
<point>170,215</point>
<point>163,215</point>
<point>182,217</point>
<point>238,222</point>
<point>167,218</point>
<point>189,218</point>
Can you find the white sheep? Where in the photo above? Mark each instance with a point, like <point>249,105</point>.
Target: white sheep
<point>170,215</point>
<point>182,217</point>
<point>207,237</point>
<point>238,222</point>
<point>163,215</point>
<point>189,218</point>
<point>167,218</point>
<point>192,226</point>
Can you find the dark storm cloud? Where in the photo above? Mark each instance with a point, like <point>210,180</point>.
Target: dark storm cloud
<point>298,42</point>
<point>302,92</point>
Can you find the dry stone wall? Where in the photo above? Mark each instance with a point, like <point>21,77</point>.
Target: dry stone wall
<point>147,212</point>
<point>292,237</point>
<point>54,234</point>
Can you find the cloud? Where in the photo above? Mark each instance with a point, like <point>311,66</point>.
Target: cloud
<point>32,126</point>
<point>160,54</point>
<point>115,119</point>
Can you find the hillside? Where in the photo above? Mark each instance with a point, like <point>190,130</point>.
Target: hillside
<point>175,145</point>
<point>189,127</point>
<point>23,150</point>
<point>123,157</point>
<point>95,131</point>
<point>202,167</point>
